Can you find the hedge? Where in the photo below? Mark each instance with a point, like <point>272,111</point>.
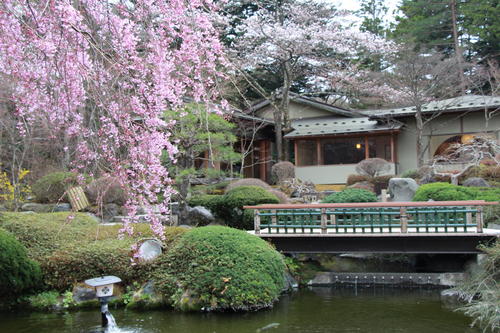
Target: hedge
<point>220,268</point>
<point>230,207</point>
<point>450,192</point>
<point>18,273</point>
<point>351,195</point>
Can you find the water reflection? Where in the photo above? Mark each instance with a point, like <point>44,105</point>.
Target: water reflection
<point>318,310</point>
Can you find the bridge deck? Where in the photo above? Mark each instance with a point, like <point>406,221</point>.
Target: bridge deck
<point>401,227</point>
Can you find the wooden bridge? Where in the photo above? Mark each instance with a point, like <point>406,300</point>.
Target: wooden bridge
<point>383,227</point>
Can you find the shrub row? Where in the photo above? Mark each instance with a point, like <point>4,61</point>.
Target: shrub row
<point>351,195</point>
<point>449,192</point>
<point>229,207</point>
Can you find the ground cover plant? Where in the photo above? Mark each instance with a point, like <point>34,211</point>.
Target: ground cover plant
<point>220,268</point>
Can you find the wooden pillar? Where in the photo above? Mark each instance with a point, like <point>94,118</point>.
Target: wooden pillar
<point>324,220</point>
<point>479,219</point>
<point>295,149</point>
<point>318,152</point>
<point>367,148</point>
<point>403,219</point>
<point>262,160</point>
<point>393,149</point>
<point>256,221</point>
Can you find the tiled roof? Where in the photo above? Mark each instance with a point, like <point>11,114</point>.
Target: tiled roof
<point>329,126</point>
<point>461,103</point>
<point>307,101</point>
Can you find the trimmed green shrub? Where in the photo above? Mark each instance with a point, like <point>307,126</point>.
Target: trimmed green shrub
<point>18,273</point>
<point>248,182</point>
<point>209,201</point>
<point>230,208</point>
<point>353,179</point>
<point>70,265</point>
<point>444,192</point>
<point>218,268</point>
<point>487,193</point>
<point>51,187</point>
<point>351,195</point>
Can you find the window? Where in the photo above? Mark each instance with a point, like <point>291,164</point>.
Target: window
<point>380,146</point>
<point>307,153</point>
<point>342,150</point>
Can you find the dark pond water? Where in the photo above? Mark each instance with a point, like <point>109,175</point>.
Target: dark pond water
<point>318,310</point>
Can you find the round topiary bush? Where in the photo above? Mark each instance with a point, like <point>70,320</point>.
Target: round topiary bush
<point>282,170</point>
<point>444,192</point>
<point>351,195</point>
<point>230,208</point>
<point>353,179</point>
<point>106,190</point>
<point>248,182</point>
<point>18,273</point>
<point>51,187</point>
<point>219,268</point>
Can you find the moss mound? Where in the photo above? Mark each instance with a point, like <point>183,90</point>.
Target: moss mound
<point>351,195</point>
<point>18,273</point>
<point>70,250</point>
<point>220,268</point>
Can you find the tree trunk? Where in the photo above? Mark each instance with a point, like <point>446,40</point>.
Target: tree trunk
<point>285,106</point>
<point>456,45</point>
<point>419,124</point>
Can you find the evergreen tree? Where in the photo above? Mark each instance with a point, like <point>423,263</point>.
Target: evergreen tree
<point>373,12</point>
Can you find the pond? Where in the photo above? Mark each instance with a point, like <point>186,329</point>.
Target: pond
<point>317,310</point>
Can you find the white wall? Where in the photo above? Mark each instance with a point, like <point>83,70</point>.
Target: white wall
<point>329,174</point>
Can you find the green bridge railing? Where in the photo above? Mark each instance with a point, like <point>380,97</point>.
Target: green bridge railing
<point>371,218</point>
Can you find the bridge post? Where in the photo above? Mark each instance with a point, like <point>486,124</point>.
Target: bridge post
<point>479,219</point>
<point>403,220</point>
<point>256,221</point>
<point>323,221</point>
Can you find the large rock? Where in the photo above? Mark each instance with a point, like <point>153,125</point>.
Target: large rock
<point>109,211</point>
<point>62,207</point>
<point>36,207</point>
<point>402,189</point>
<point>476,181</point>
<point>199,216</point>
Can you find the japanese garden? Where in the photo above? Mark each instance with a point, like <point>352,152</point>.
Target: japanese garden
<point>249,166</point>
